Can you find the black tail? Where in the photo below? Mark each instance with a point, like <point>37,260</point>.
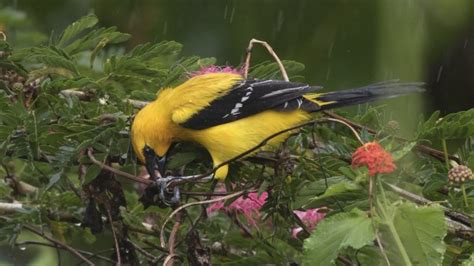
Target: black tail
<point>383,90</point>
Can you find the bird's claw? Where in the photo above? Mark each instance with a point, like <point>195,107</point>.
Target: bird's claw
<point>157,193</point>
<point>164,195</point>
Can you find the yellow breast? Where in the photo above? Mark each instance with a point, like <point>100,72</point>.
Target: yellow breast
<point>229,140</point>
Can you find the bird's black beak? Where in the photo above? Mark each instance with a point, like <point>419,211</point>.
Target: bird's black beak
<point>154,162</point>
<point>161,165</point>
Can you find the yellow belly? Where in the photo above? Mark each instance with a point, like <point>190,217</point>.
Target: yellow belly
<point>229,140</point>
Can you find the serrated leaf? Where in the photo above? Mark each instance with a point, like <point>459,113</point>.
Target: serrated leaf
<point>77,27</point>
<point>335,233</point>
<point>421,231</point>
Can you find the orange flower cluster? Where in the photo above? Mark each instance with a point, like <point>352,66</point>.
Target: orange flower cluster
<point>372,155</point>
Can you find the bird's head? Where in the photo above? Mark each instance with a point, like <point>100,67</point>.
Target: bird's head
<point>151,139</point>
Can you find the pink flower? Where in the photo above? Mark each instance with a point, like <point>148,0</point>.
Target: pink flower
<point>377,160</point>
<point>249,206</point>
<point>310,219</point>
<point>215,69</point>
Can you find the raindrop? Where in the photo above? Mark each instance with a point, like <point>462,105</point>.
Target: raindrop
<point>225,11</point>
<point>440,71</point>
<point>330,49</point>
<point>280,20</point>
<point>232,15</point>
<point>465,43</point>
<point>328,73</point>
<point>165,27</point>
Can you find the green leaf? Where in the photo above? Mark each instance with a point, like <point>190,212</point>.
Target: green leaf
<point>91,173</point>
<point>53,180</point>
<point>77,27</point>
<point>334,234</point>
<point>453,126</point>
<point>469,262</point>
<point>421,231</point>
<point>397,155</point>
<point>56,61</point>
<point>344,190</point>
<point>93,38</point>
<point>181,159</point>
<point>308,190</point>
<point>271,70</point>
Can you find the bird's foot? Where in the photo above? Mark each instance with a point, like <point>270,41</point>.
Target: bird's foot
<point>157,193</point>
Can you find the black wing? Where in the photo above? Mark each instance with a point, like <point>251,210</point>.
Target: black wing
<point>251,97</point>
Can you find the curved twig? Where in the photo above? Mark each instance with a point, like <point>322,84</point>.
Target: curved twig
<point>261,144</point>
<point>162,236</point>
<point>270,51</point>
<point>56,242</point>
<point>87,253</point>
<point>116,171</point>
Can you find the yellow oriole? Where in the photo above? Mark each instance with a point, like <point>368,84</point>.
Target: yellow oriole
<point>229,115</point>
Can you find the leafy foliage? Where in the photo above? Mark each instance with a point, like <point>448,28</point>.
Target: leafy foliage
<point>453,126</point>
<point>343,230</point>
<point>421,231</point>
<point>70,97</point>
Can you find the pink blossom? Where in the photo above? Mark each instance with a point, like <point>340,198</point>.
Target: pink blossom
<point>215,69</point>
<point>249,206</point>
<point>310,219</point>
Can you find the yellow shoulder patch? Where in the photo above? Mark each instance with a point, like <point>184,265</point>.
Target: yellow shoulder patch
<point>198,92</point>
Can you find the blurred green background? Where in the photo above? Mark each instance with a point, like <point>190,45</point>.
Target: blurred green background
<point>342,43</point>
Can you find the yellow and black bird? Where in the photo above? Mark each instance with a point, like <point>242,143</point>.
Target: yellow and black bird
<point>229,115</point>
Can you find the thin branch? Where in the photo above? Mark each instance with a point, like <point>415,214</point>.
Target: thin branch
<point>258,146</point>
<point>164,250</point>
<point>422,148</point>
<point>87,96</point>
<point>170,259</point>
<point>372,218</point>
<point>142,231</point>
<point>58,243</point>
<point>345,260</point>
<point>116,171</point>
<point>459,223</point>
<point>20,186</point>
<point>188,179</point>
<point>153,259</point>
<point>114,234</point>
<point>356,134</point>
<point>9,207</point>
<point>270,51</point>
<point>87,253</point>
<point>162,236</point>
<point>245,230</point>
<point>172,240</point>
